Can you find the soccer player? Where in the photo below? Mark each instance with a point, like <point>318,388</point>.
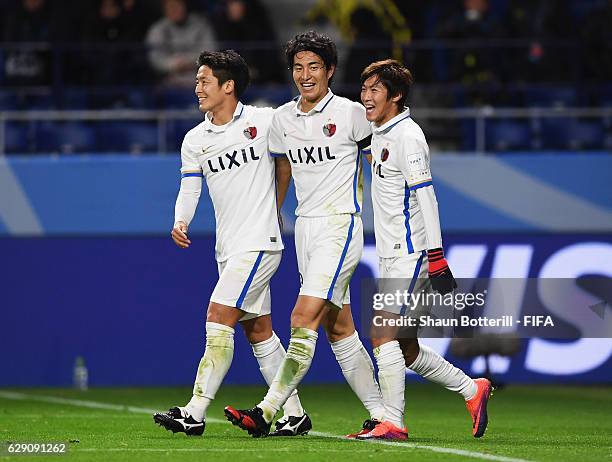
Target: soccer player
<point>409,246</point>
<point>230,149</point>
<point>317,138</point>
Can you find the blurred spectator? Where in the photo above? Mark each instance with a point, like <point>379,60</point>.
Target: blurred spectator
<point>139,15</point>
<point>370,43</point>
<point>417,17</point>
<point>31,21</point>
<point>176,40</point>
<point>597,44</point>
<point>115,36</point>
<point>360,28</point>
<point>470,62</point>
<point>245,27</point>
<point>545,24</point>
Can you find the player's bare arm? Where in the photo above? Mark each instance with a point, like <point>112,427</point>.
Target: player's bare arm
<point>283,178</point>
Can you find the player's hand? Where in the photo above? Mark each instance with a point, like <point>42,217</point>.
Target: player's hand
<point>179,235</point>
<point>441,277</point>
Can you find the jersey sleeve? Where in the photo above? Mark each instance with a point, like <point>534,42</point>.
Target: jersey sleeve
<point>413,162</point>
<point>189,163</point>
<point>362,131</point>
<point>276,145</point>
<point>191,185</point>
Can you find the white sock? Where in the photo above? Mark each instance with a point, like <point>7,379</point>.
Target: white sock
<point>392,380</point>
<point>291,372</point>
<point>358,371</point>
<point>212,369</point>
<point>270,355</point>
<point>433,367</point>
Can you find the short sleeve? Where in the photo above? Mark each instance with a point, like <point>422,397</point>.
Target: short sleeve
<point>414,163</point>
<point>276,145</point>
<point>189,163</point>
<point>361,127</point>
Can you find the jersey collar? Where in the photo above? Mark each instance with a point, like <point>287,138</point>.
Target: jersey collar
<point>208,125</point>
<point>318,108</point>
<point>393,122</point>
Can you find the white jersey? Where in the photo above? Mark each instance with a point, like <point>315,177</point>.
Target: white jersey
<point>322,146</point>
<point>239,172</point>
<point>405,208</point>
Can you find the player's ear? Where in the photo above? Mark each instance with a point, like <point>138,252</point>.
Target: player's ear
<point>228,87</point>
<point>330,71</point>
<point>397,98</point>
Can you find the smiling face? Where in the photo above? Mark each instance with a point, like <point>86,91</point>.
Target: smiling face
<point>380,108</point>
<point>311,78</point>
<point>211,95</point>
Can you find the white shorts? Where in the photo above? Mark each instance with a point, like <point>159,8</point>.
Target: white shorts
<point>244,282</point>
<point>405,274</point>
<point>328,251</point>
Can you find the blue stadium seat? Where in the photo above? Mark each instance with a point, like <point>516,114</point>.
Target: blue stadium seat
<point>74,98</point>
<point>65,137</point>
<point>177,98</point>
<point>140,98</point>
<point>273,95</point>
<point>8,101</point>
<point>17,137</point>
<point>574,134</point>
<point>128,136</point>
<point>33,101</point>
<point>507,135</point>
<point>176,131</point>
<point>551,96</point>
<point>604,95</point>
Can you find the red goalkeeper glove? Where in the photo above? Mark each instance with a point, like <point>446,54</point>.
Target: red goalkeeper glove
<point>441,277</point>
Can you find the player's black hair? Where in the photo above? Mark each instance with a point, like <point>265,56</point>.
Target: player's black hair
<point>396,78</point>
<point>319,44</point>
<point>227,65</point>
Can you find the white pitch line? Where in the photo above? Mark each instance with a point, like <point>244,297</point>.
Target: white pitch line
<point>141,410</point>
<point>258,449</point>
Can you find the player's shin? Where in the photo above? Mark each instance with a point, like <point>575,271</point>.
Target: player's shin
<point>270,355</point>
<point>358,371</point>
<point>433,367</point>
<point>212,369</point>
<point>292,370</point>
<point>392,380</point>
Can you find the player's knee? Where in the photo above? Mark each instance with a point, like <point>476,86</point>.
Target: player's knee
<point>300,319</point>
<point>222,314</point>
<point>338,332</point>
<point>410,350</point>
<point>258,329</point>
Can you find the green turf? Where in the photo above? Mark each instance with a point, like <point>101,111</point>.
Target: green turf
<point>533,423</point>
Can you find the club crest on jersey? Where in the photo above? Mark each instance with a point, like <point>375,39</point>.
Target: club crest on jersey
<point>329,129</point>
<point>384,155</point>
<point>250,132</point>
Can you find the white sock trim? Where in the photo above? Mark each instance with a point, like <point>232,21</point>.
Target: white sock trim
<point>267,347</point>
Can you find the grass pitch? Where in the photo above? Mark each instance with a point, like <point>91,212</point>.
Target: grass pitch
<point>527,423</point>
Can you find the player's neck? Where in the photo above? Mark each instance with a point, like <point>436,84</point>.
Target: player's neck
<point>388,116</point>
<point>307,106</point>
<point>224,113</point>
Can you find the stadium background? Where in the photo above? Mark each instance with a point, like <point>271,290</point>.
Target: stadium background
<point>516,107</point>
